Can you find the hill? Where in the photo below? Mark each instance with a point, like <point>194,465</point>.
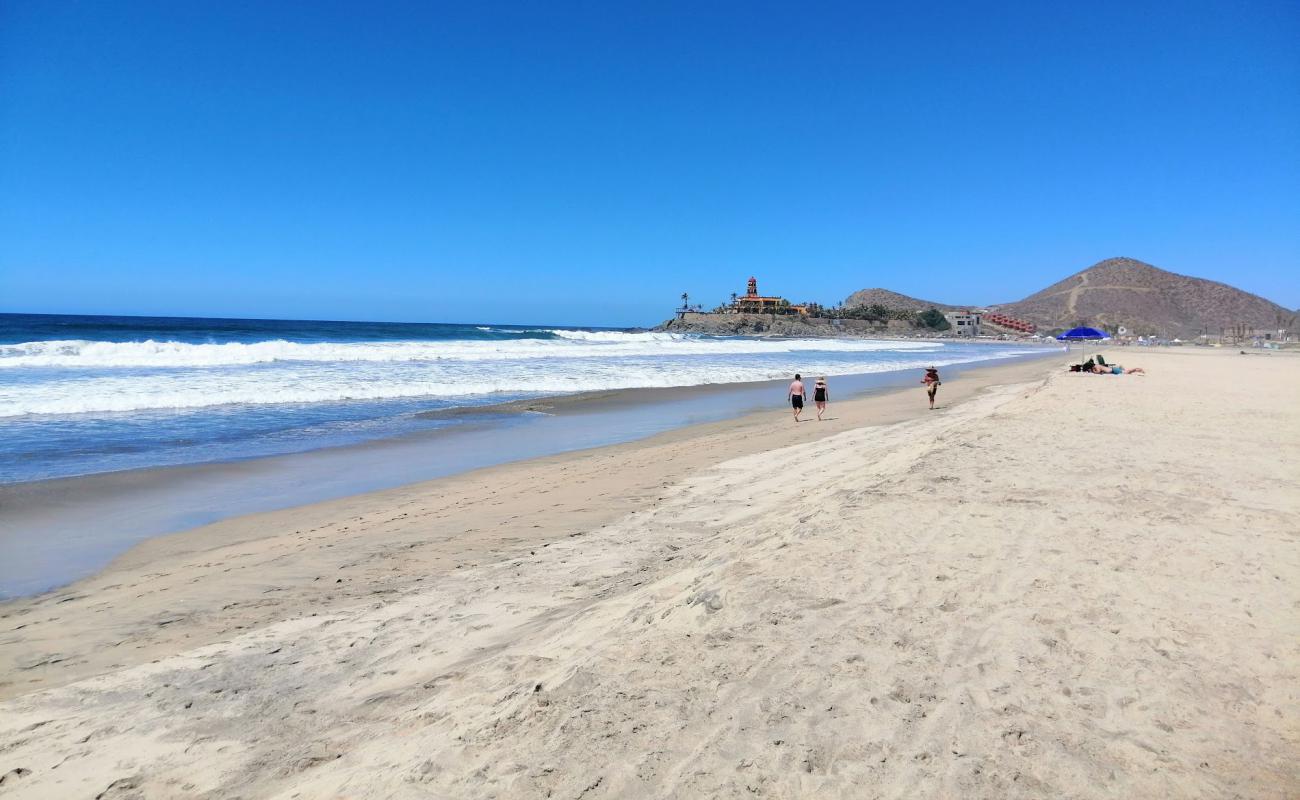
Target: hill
<point>892,300</point>
<point>1146,299</point>
<point>1124,292</point>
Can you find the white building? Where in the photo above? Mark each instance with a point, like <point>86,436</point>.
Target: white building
<point>964,323</point>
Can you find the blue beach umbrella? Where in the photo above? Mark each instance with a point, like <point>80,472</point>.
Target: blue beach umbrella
<point>1083,335</point>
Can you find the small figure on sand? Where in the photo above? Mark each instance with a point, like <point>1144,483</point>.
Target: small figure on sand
<point>795,396</point>
<point>932,383</point>
<point>820,395</point>
<point>1098,365</point>
<point>1116,369</point>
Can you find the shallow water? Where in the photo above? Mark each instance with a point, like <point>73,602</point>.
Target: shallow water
<point>54,532</point>
<point>86,395</point>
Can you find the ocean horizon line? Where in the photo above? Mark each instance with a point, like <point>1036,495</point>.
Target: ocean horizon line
<point>313,320</point>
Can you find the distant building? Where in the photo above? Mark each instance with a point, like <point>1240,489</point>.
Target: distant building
<point>964,323</point>
<point>751,302</point>
<point>1010,323</point>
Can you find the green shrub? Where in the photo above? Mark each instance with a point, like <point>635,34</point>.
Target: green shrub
<point>933,319</point>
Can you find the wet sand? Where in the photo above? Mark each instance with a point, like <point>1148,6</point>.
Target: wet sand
<point>1054,586</point>
<point>56,531</point>
<point>252,570</point>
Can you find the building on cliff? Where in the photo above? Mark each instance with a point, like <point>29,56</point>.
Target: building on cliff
<point>964,323</point>
<point>751,302</point>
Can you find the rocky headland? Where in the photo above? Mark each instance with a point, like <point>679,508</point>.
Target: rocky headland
<point>784,325</point>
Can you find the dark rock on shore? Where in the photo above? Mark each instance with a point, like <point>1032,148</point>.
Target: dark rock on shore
<point>781,325</point>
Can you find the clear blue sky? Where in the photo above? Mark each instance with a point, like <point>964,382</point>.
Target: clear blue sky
<point>586,163</point>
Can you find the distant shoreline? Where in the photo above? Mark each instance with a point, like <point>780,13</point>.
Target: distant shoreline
<point>824,600</point>
<point>130,506</point>
<point>791,326</point>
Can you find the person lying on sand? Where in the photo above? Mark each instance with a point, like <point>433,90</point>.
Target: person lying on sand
<point>1109,369</point>
<point>1116,369</point>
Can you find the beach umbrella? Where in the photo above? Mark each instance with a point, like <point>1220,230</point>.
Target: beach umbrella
<point>1082,335</point>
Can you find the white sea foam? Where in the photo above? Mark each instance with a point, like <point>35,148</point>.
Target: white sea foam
<point>76,376</point>
<point>117,391</point>
<point>82,354</point>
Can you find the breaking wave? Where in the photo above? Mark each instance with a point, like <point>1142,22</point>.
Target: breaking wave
<point>83,354</point>
<point>82,376</point>
<point>192,388</point>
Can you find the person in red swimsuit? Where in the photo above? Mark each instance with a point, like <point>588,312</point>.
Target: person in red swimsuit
<point>932,383</point>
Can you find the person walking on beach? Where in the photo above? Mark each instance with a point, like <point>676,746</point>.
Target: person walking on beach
<point>795,396</point>
<point>932,383</point>
<point>820,396</point>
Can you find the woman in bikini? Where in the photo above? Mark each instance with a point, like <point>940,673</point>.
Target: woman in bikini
<point>820,396</point>
<point>932,383</point>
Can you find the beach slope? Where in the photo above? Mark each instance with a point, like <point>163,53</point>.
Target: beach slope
<point>1084,586</point>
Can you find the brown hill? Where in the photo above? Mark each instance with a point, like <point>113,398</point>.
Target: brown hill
<point>892,301</point>
<point>1146,300</point>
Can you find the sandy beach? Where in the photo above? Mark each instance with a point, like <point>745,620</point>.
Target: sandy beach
<point>1055,585</point>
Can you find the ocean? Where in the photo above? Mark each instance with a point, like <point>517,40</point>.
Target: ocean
<point>82,395</point>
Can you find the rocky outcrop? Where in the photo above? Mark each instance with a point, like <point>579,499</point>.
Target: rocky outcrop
<point>781,325</point>
<point>893,301</point>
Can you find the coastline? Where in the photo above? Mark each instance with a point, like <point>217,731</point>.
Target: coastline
<point>612,478</point>
<point>949,603</point>
<point>775,326</point>
<point>58,530</point>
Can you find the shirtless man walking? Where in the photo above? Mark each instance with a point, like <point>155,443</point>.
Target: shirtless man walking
<point>795,396</point>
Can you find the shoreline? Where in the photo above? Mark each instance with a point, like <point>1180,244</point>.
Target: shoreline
<point>956,603</point>
<point>126,507</point>
<point>465,529</point>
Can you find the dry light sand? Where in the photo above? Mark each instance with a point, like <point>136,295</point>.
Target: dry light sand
<point>1073,586</point>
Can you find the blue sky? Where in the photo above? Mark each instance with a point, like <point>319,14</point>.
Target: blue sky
<point>587,162</point>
